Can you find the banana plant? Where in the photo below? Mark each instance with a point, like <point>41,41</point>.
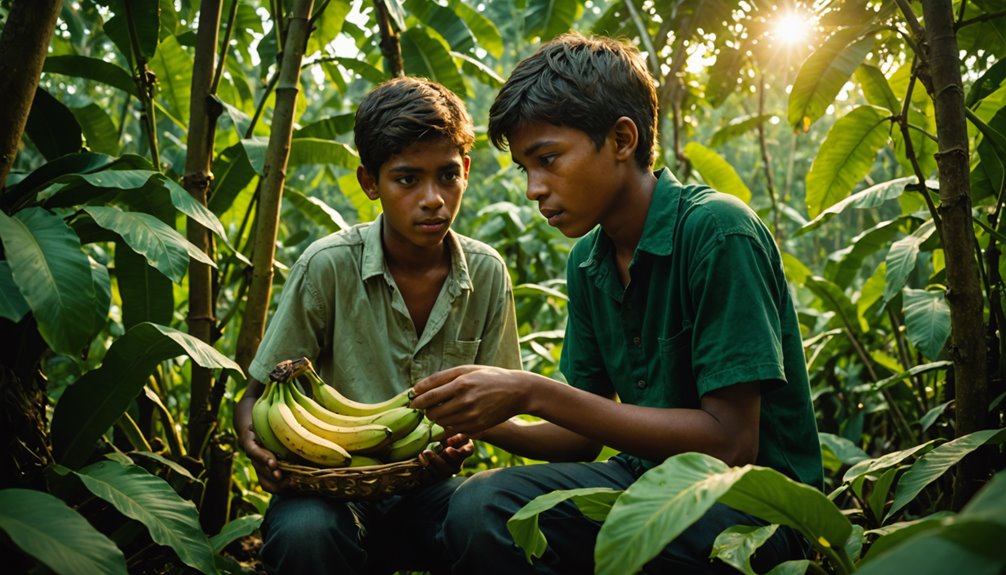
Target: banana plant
<point>637,523</point>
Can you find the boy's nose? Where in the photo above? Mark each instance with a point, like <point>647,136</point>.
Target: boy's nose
<point>535,187</point>
<point>432,197</point>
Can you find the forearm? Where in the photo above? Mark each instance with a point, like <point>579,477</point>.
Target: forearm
<point>648,432</point>
<point>541,440</point>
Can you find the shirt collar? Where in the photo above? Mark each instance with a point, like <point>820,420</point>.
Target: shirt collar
<point>374,263</point>
<point>658,229</point>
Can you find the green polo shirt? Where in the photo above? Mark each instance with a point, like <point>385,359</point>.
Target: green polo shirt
<point>341,308</point>
<point>707,306</point>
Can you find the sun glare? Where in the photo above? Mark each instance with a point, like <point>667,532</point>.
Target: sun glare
<point>792,29</point>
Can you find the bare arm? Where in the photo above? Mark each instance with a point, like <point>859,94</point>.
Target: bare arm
<point>475,400</point>
<point>263,460</point>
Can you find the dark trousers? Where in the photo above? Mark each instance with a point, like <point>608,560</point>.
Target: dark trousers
<point>478,541</point>
<point>312,534</point>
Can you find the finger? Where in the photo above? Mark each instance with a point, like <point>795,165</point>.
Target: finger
<point>440,378</point>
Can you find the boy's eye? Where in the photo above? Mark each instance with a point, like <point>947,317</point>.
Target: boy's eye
<point>450,176</point>
<point>406,180</point>
<point>546,160</point>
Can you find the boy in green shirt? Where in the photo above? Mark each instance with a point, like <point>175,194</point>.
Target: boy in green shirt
<point>376,308</point>
<point>681,334</point>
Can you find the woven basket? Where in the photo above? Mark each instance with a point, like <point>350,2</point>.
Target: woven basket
<point>365,483</point>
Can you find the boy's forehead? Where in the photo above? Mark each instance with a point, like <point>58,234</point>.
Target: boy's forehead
<point>437,153</point>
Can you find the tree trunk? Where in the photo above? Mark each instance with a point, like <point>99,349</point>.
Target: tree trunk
<point>202,125</point>
<point>391,49</point>
<point>271,189</point>
<point>964,293</point>
<point>24,43</point>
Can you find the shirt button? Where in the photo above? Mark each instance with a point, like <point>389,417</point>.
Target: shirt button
<point>636,341</point>
<point>641,383</point>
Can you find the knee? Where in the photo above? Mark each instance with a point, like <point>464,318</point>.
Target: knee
<point>305,531</point>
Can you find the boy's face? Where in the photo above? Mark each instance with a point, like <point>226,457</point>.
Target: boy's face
<point>420,191</point>
<point>575,184</point>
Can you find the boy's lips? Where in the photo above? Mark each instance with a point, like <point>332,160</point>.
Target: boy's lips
<point>551,214</point>
<point>433,224</point>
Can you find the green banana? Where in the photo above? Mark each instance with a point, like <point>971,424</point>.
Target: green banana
<point>260,423</point>
<point>365,461</point>
<point>302,441</point>
<point>400,420</point>
<point>335,401</point>
<point>351,438</point>
<point>411,445</point>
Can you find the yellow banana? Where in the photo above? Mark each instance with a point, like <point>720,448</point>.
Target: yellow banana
<point>351,438</point>
<point>302,441</point>
<point>400,420</point>
<point>411,445</point>
<point>335,401</point>
<point>260,423</point>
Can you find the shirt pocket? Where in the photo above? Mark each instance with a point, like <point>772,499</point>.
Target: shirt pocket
<point>675,367</point>
<point>460,352</point>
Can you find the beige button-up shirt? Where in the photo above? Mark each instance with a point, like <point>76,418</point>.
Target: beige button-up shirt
<point>340,307</point>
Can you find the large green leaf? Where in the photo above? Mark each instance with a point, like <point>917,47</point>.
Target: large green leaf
<point>737,127</point>
<point>523,526</point>
<point>12,303</point>
<point>902,257</point>
<point>445,21</point>
<point>52,127</point>
<point>99,129</point>
<point>735,545</point>
<point>927,319</point>
<point>234,530</point>
<point>876,88</point>
<point>546,19</point>
<point>879,464</point>
<point>171,520</point>
<point>835,300</point>
<point>96,401</point>
<point>306,151</point>
<point>429,57</point>
<point>53,275</point>
<point>23,191</point>
<point>670,497</point>
<point>845,157</point>
<point>146,294</point>
<point>484,30</point>
<point>843,266</point>
<point>44,527</point>
<point>163,247</point>
<point>935,463</point>
<point>173,66</point>
<point>716,172</point>
<point>871,197</point>
<point>824,74</point>
<point>91,69</point>
<point>145,26</point>
<point>317,211</point>
<point>972,547</point>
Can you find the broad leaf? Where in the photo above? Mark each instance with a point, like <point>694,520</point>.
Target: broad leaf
<point>881,463</point>
<point>902,257</point>
<point>317,211</point>
<point>147,295</point>
<point>911,372</point>
<point>234,530</point>
<point>716,172</point>
<point>145,25</point>
<point>53,275</point>
<point>927,320</point>
<point>171,520</point>
<point>97,400</point>
<point>824,73</point>
<point>735,545</point>
<point>83,162</point>
<point>866,199</point>
<point>834,299</point>
<point>163,247</point>
<point>52,127</point>
<point>876,88</point>
<point>12,304</point>
<point>545,19</point>
<point>846,451</point>
<point>445,21</point>
<point>972,547</point>
<point>99,130</point>
<point>305,151</point>
<point>845,157</point>
<point>484,30</point>
<point>46,528</point>
<point>667,499</point>
<point>523,526</point>
<point>429,57</point>
<point>173,66</point>
<point>843,266</point>
<point>738,127</point>
<point>91,69</point>
<point>935,463</point>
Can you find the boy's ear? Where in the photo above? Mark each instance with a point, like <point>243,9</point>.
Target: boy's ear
<point>466,160</point>
<point>625,135</point>
<point>367,182</point>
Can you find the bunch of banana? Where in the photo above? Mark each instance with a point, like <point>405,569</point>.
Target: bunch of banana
<point>332,430</point>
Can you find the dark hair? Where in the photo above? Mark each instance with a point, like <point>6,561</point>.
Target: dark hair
<point>406,110</point>
<point>583,83</point>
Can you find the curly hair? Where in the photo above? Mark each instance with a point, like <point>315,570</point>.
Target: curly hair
<point>586,83</point>
<point>406,110</point>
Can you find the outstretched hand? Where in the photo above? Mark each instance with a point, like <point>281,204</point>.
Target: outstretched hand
<point>470,399</point>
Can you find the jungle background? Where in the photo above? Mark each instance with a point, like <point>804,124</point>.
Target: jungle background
<point>164,162</point>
